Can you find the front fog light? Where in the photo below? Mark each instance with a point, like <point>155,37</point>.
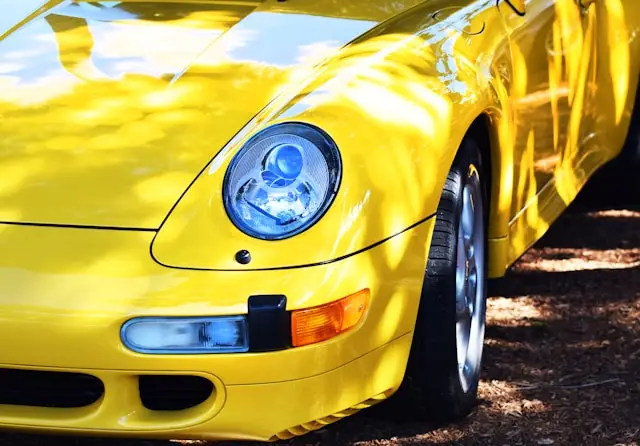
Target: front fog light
<point>186,335</point>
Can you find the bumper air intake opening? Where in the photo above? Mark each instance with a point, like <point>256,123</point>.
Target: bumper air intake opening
<point>48,389</point>
<point>173,392</point>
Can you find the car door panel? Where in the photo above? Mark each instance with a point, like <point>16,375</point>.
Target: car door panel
<point>551,57</point>
<point>615,76</point>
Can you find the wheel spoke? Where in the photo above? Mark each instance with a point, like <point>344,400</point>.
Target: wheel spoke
<point>468,217</point>
<point>463,329</point>
<point>472,290</point>
<point>461,265</point>
<point>462,311</point>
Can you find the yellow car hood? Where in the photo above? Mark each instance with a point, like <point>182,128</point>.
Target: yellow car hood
<point>109,110</point>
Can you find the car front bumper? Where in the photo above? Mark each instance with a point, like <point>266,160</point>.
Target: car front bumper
<point>65,293</point>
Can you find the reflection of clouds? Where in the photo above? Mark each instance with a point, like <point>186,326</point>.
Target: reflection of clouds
<point>267,28</point>
<point>314,52</point>
<point>38,91</point>
<point>14,11</point>
<point>91,46</point>
<point>153,49</point>
<point>6,68</point>
<point>92,43</point>
<point>226,46</point>
<point>21,54</point>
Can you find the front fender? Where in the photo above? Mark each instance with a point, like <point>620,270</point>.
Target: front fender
<point>397,102</point>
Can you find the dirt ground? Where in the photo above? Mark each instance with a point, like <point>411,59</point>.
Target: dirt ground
<point>562,362</point>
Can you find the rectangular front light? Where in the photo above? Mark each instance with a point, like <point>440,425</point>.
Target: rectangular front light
<point>318,324</point>
<point>187,335</point>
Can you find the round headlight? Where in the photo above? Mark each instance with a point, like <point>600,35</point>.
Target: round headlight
<point>282,181</point>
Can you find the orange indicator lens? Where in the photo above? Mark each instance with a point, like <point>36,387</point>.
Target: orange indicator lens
<point>318,324</point>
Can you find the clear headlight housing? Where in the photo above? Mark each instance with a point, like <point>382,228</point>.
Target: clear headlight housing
<point>282,181</point>
<point>191,335</point>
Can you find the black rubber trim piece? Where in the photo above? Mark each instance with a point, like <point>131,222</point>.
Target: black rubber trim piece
<point>307,265</point>
<point>269,323</point>
<point>70,226</point>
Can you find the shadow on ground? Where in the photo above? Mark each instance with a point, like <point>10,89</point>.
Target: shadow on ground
<point>562,361</point>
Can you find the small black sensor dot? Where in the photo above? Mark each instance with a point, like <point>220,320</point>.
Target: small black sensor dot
<point>243,257</point>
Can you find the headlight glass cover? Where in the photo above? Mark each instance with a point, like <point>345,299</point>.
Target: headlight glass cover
<point>282,181</point>
<point>186,335</point>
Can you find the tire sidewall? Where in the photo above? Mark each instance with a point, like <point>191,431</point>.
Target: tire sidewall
<point>435,346</point>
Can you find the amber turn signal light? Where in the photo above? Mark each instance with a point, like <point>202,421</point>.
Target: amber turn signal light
<point>320,323</point>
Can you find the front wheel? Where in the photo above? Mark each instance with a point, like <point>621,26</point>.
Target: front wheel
<point>445,362</point>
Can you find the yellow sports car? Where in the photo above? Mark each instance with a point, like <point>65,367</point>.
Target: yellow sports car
<point>233,219</point>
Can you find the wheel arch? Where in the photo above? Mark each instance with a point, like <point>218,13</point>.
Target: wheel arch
<point>483,130</point>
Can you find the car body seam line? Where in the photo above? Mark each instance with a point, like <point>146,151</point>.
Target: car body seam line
<point>307,265</point>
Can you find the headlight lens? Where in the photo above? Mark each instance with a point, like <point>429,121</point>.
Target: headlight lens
<point>282,181</point>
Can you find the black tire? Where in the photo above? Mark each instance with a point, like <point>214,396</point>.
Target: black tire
<point>432,377</point>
